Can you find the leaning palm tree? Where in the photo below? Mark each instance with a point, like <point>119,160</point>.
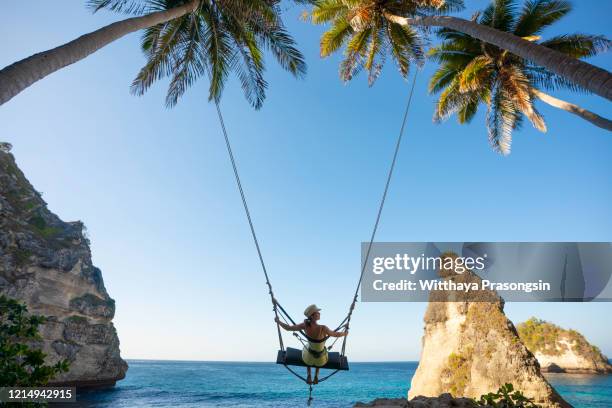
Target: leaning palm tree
<point>473,72</point>
<point>149,13</point>
<point>21,74</point>
<point>349,18</point>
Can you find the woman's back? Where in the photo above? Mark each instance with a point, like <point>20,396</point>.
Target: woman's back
<point>315,331</point>
<point>316,349</point>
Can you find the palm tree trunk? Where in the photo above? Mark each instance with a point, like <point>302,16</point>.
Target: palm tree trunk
<point>18,76</point>
<point>575,109</point>
<point>590,77</point>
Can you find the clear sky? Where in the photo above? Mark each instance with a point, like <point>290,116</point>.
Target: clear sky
<point>155,189</point>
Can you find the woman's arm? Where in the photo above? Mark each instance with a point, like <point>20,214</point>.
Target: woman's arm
<point>288,327</point>
<point>332,333</point>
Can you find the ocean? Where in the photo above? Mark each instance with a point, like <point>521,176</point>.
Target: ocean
<point>234,384</point>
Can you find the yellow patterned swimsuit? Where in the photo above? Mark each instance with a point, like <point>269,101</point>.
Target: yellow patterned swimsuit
<point>315,354</point>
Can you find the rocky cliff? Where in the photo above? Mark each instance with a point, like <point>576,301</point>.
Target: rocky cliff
<point>46,263</point>
<point>561,350</point>
<point>470,348</point>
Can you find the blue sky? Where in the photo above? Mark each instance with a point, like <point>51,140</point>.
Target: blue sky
<point>155,189</point>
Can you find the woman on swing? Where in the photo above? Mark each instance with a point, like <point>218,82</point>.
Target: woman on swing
<point>314,353</point>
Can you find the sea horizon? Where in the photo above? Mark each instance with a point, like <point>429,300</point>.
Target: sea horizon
<point>268,361</point>
<point>255,361</point>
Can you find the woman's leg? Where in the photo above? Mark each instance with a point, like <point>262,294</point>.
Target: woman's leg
<point>309,378</point>
<point>316,379</point>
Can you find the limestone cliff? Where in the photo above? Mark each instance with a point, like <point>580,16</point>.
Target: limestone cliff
<point>470,348</point>
<point>46,263</point>
<point>561,350</point>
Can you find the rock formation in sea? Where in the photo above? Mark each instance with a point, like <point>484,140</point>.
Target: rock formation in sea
<point>443,401</point>
<point>470,348</point>
<point>562,350</point>
<point>46,264</point>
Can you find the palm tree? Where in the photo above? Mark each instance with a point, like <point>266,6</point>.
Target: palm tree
<point>350,17</point>
<point>220,38</point>
<point>20,75</point>
<point>369,37</point>
<point>474,72</point>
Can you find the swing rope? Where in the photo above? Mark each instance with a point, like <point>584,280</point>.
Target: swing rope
<point>276,307</point>
<point>248,215</point>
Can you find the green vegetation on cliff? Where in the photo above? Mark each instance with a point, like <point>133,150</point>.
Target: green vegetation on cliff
<point>21,364</point>
<point>547,338</point>
<point>506,397</point>
<point>457,371</point>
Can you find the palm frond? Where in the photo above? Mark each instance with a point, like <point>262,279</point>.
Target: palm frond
<point>500,14</point>
<point>452,6</point>
<point>252,12</point>
<point>158,43</point>
<point>442,78</point>
<point>451,100</point>
<point>247,61</point>
<point>401,55</point>
<point>250,74</point>
<point>335,37</point>
<point>468,110</point>
<point>476,74</point>
<point>579,45</point>
<point>328,10</point>
<point>516,87</point>
<point>373,49</point>
<point>446,7</point>
<point>284,49</point>
<point>217,45</point>
<point>354,54</point>
<point>539,14</point>
<point>406,46</point>
<point>502,117</point>
<point>542,78</point>
<point>130,7</point>
<point>189,64</point>
<point>271,33</point>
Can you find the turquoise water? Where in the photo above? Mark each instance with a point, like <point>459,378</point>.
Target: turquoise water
<point>217,384</point>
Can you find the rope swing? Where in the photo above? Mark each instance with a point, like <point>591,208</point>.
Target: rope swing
<point>278,310</point>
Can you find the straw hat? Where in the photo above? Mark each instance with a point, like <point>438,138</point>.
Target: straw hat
<point>310,310</point>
